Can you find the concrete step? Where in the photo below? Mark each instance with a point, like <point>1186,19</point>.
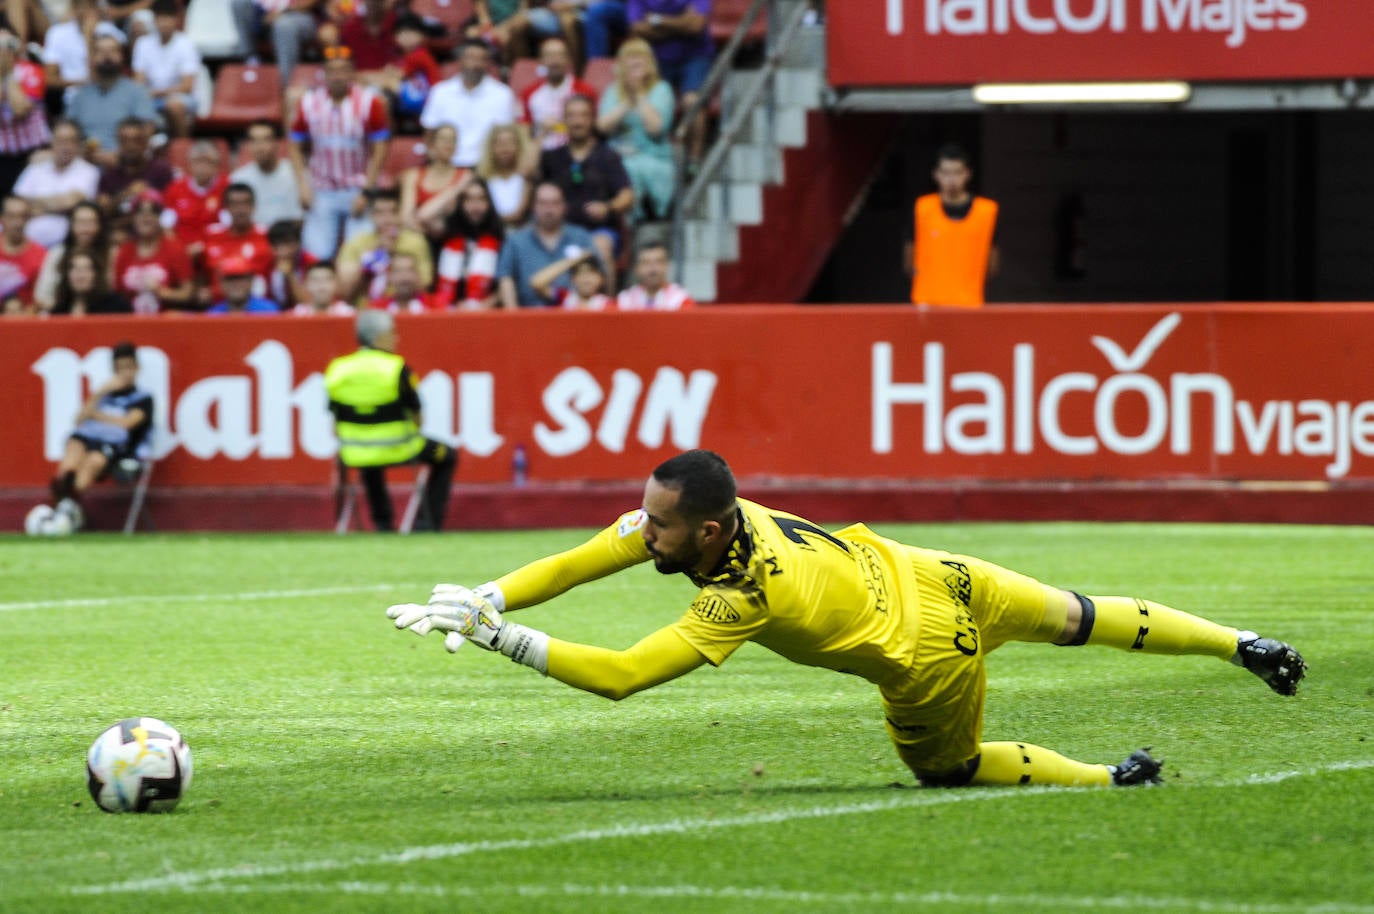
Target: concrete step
<point>741,204</point>
<point>699,279</point>
<point>717,241</point>
<point>788,127</point>
<point>761,164</point>
<point>799,87</point>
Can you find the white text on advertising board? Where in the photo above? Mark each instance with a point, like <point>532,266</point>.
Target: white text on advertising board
<point>1331,431</point>
<point>1235,19</point>
<point>267,414</point>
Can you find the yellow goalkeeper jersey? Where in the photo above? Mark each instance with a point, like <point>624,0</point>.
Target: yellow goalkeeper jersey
<point>845,601</point>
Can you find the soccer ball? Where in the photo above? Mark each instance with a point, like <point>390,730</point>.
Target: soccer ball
<point>139,765</point>
<point>36,521</point>
<point>60,524</point>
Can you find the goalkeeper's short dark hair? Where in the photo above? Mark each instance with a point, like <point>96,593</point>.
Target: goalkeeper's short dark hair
<point>124,350</point>
<point>704,482</point>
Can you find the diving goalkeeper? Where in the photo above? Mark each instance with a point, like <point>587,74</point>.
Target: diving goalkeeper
<point>915,622</point>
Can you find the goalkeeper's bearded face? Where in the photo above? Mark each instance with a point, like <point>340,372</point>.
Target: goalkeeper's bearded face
<point>676,544</point>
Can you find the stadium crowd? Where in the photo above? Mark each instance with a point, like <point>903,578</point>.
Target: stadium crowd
<point>377,178</point>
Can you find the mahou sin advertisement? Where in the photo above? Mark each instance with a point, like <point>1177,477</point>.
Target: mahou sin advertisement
<point>1266,392</point>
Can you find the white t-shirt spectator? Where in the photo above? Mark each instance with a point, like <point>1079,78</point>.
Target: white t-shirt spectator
<point>277,194</point>
<point>164,66</point>
<point>42,180</point>
<point>471,112</point>
<point>65,47</point>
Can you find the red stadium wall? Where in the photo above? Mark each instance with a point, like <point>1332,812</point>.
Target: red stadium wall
<point>1163,412</point>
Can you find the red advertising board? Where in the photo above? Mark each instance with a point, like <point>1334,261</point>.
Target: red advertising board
<point>1010,393</point>
<point>961,42</point>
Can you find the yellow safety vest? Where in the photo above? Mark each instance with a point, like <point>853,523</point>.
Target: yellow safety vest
<point>374,427</point>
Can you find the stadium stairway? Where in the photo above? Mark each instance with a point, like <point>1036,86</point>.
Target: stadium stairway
<point>765,223</point>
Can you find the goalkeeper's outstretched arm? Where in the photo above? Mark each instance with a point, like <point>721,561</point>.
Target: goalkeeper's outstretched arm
<point>606,553</point>
<point>662,656</point>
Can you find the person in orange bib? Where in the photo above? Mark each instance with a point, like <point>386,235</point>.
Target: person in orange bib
<point>953,253</point>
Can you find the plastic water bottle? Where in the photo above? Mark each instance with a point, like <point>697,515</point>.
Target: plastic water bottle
<point>519,465</point>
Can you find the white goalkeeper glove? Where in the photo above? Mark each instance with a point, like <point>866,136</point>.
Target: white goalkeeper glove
<point>473,615</point>
<point>416,617</point>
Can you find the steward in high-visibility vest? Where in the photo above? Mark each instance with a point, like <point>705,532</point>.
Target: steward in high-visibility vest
<point>376,409</point>
<point>372,396</point>
<point>953,252</point>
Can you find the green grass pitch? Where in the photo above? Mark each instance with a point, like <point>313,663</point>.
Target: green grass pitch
<point>344,766</point>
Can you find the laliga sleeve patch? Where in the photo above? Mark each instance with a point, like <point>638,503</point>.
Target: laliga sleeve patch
<point>631,523</point>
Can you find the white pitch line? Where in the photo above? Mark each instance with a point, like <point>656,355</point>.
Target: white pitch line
<point>196,881</point>
<point>77,602</point>
<point>853,900</point>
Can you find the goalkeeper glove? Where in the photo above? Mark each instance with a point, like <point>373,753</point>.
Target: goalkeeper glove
<point>472,615</point>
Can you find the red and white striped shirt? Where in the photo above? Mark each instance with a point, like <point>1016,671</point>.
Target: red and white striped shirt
<point>419,303</point>
<point>671,297</point>
<point>339,134</point>
<point>29,132</point>
<point>467,270</point>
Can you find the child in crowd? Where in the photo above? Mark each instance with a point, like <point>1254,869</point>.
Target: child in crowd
<point>322,293</point>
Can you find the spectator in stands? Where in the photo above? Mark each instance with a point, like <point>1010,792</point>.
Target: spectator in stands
<point>134,170</point>
<point>85,235</point>
<point>236,278</point>
<point>55,184</point>
<point>276,193</point>
<point>292,25</point>
<point>367,29</point>
<point>23,119</point>
<point>653,291</point>
<point>365,260</point>
<point>586,289</point>
<point>595,185</point>
<point>406,295</point>
<point>348,130</point>
<point>195,201</point>
<point>27,19</point>
<point>473,102</point>
<point>506,147</point>
<point>151,269</point>
<point>290,264</point>
<point>110,100</point>
<point>376,409</point>
<point>602,22</point>
<point>322,293</point>
<point>955,249</point>
<point>112,425</point>
<point>467,263</point>
<point>438,176</point>
<point>636,115</point>
<point>67,46</point>
<point>167,62</point>
<point>409,79</point>
<point>20,259</point>
<point>542,102</point>
<point>84,288</point>
<point>679,34</point>
<point>514,26</point>
<point>547,240</point>
<point>241,237</point>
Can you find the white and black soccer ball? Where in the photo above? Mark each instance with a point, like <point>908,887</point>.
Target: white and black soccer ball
<point>36,521</point>
<point>139,765</point>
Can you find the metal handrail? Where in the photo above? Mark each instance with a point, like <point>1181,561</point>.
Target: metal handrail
<point>689,195</point>
<point>720,67</point>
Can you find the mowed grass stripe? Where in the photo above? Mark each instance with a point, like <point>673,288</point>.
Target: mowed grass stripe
<point>856,900</point>
<point>245,871</point>
<point>248,596</point>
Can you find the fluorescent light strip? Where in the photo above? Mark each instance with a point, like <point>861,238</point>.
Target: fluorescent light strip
<point>1079,93</point>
